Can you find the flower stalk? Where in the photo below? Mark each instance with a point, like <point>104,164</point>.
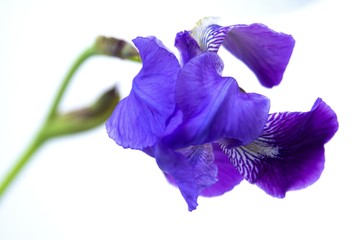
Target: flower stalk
<point>36,143</point>
<point>57,124</point>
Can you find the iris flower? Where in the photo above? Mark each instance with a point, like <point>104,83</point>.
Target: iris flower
<point>204,131</point>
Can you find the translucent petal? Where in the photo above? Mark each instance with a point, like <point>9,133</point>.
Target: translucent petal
<point>139,119</point>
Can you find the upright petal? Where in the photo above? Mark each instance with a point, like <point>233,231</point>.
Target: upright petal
<point>192,169</point>
<point>289,154</point>
<point>139,119</point>
<point>187,46</point>
<point>213,107</point>
<point>264,51</point>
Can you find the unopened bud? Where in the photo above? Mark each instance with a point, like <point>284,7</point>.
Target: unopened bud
<point>116,48</point>
<point>86,118</point>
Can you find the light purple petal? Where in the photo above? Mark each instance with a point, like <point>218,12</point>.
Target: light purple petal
<point>192,169</point>
<point>139,119</point>
<point>187,46</point>
<point>213,107</point>
<point>264,51</point>
<point>289,154</point>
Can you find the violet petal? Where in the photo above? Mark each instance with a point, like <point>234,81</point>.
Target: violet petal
<point>264,51</point>
<point>214,107</point>
<point>192,169</point>
<point>139,119</point>
<point>289,154</point>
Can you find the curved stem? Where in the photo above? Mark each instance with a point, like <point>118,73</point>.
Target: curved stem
<point>41,137</point>
<point>21,162</point>
<point>80,60</point>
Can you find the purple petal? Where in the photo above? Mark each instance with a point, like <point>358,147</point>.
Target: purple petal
<point>289,154</point>
<point>187,46</point>
<point>228,176</point>
<point>264,51</point>
<point>139,119</point>
<point>213,107</point>
<point>191,169</point>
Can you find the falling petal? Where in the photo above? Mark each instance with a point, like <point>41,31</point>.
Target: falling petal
<point>289,154</point>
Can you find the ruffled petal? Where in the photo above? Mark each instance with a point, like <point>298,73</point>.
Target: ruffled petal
<point>213,107</point>
<point>192,169</point>
<point>264,51</point>
<point>289,154</point>
<point>139,119</point>
<point>187,46</point>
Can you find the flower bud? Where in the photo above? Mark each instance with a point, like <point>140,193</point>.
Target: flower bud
<point>117,48</point>
<point>83,119</point>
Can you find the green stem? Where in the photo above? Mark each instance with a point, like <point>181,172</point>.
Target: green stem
<point>41,137</point>
<point>80,60</point>
<point>20,164</point>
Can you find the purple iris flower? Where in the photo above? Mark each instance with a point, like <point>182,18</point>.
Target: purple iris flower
<point>207,134</point>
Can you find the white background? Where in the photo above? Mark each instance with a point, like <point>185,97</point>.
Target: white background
<point>86,187</point>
